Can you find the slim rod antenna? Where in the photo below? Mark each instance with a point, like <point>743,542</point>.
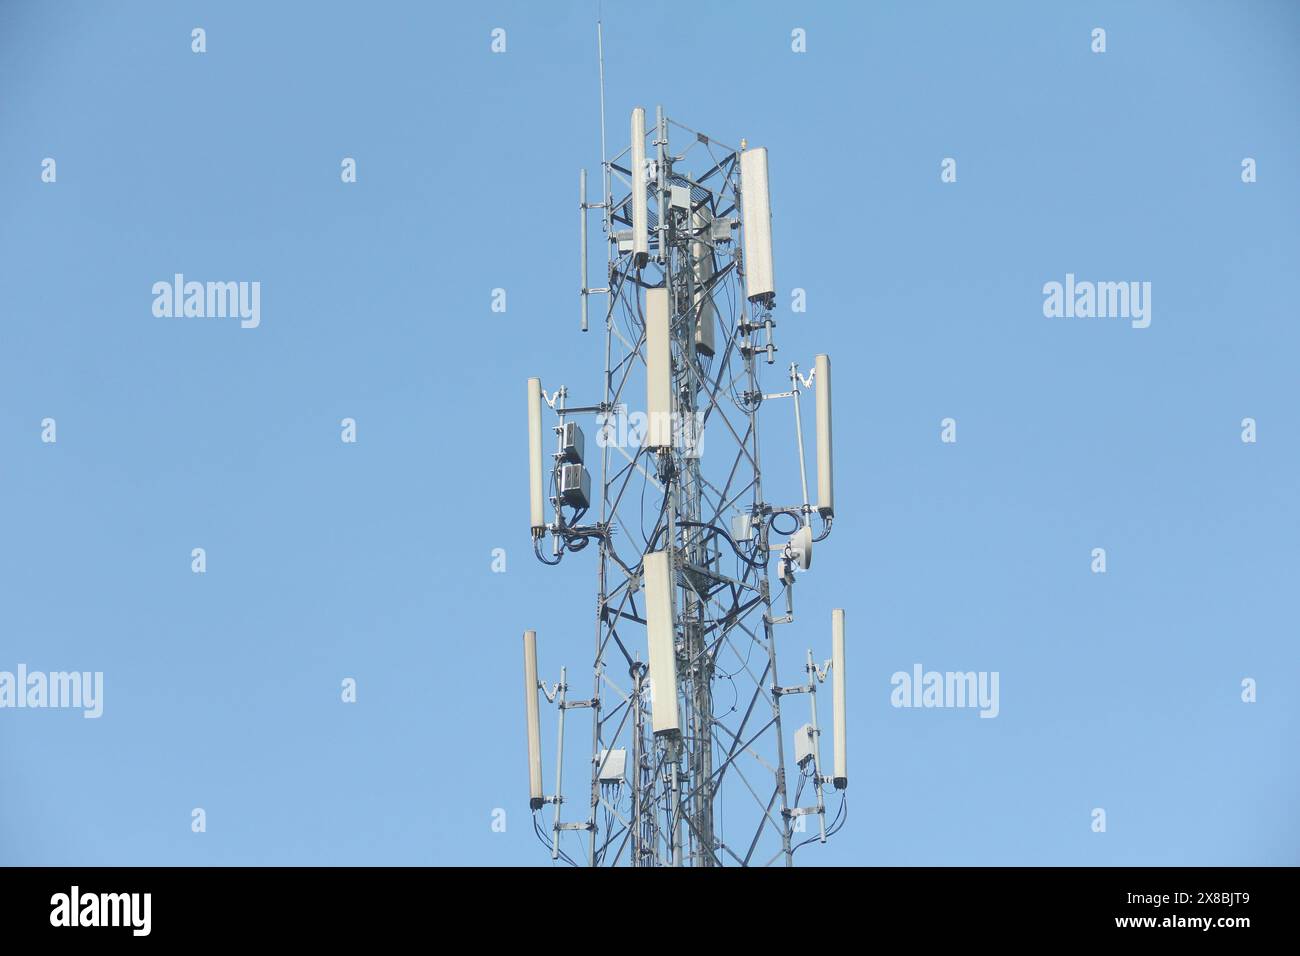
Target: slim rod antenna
<point>600,55</point>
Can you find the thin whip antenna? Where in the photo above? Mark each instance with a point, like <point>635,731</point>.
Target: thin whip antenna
<point>600,55</point>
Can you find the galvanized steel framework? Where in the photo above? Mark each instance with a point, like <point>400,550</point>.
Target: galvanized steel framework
<point>717,792</point>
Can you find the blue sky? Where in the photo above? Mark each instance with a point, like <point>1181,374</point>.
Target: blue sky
<point>373,560</point>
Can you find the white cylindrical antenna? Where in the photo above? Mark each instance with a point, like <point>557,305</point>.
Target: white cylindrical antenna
<point>535,796</point>
<point>702,254</point>
<point>660,632</point>
<point>825,464</point>
<point>757,213</point>
<point>658,370</point>
<point>841,776</point>
<point>640,246</point>
<point>536,490</point>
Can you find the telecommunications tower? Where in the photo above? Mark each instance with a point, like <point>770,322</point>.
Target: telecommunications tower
<point>695,755</point>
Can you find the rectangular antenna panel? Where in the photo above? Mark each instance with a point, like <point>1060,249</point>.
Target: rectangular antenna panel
<point>535,795</point>
<point>661,636</point>
<point>536,489</point>
<point>825,463</point>
<point>757,213</point>
<point>640,246</point>
<point>658,370</point>
<point>841,775</point>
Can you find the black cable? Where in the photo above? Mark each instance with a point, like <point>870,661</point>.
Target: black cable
<point>789,514</point>
<point>549,845</point>
<point>537,550</point>
<point>833,829</point>
<point>730,540</point>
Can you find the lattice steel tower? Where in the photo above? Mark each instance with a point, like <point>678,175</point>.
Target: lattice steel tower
<point>689,756</point>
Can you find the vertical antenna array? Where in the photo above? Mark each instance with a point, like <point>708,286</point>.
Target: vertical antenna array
<point>688,756</point>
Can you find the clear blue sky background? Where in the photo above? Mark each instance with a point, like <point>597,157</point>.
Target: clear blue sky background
<point>373,560</point>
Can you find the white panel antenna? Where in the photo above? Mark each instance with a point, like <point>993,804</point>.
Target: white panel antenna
<point>536,487</point>
<point>535,796</point>
<point>702,253</point>
<point>658,370</point>
<point>640,244</point>
<point>661,639</point>
<point>825,464</point>
<point>841,776</point>
<point>759,285</point>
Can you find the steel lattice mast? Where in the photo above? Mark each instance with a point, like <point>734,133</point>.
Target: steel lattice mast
<point>688,761</point>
